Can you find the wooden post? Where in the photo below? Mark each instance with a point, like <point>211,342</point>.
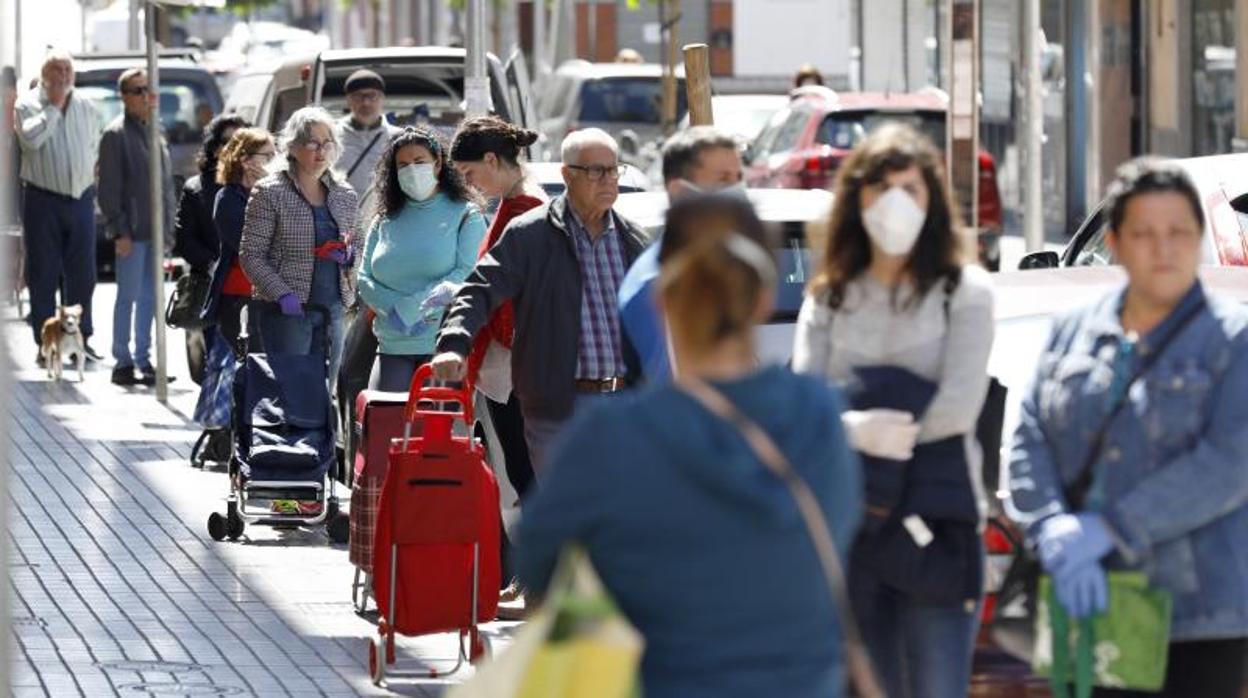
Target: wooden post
<point>669,20</point>
<point>698,84</point>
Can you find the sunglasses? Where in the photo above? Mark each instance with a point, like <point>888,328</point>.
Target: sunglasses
<point>141,90</point>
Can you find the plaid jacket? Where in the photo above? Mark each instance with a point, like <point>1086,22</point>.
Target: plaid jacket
<point>279,237</point>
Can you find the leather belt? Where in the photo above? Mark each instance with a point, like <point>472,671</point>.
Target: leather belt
<point>600,385</point>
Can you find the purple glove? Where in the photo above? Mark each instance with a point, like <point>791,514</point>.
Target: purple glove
<point>290,305</point>
<point>344,256</point>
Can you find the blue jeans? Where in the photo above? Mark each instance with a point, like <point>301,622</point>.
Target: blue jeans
<point>283,334</point>
<point>393,372</point>
<point>135,309</point>
<point>59,233</point>
<point>919,651</point>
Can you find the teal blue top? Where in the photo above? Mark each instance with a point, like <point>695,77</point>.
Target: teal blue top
<point>408,255</point>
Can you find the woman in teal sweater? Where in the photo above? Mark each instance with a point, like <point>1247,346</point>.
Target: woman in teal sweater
<point>420,247</point>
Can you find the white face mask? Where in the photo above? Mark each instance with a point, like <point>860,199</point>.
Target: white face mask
<point>737,189</point>
<point>894,222</point>
<point>418,181</point>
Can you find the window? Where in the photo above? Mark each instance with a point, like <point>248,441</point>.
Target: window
<point>791,130</point>
<point>1094,252</point>
<point>636,100</point>
<point>184,107</point>
<point>843,130</point>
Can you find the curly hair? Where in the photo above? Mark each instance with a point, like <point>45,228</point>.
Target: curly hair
<point>490,134</point>
<point>214,141</point>
<point>387,175</point>
<point>245,143</point>
<point>940,250</point>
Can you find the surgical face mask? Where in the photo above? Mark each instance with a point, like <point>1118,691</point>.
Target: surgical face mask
<point>418,181</point>
<point>737,189</point>
<point>894,222</point>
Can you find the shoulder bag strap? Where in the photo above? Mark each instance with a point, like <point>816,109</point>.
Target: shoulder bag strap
<point>1077,491</point>
<point>367,150</point>
<point>858,662</point>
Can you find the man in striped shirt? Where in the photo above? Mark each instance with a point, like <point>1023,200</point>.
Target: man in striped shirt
<point>59,137</point>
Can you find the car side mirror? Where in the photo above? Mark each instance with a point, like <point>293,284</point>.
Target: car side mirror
<point>629,144</point>
<point>1047,259</point>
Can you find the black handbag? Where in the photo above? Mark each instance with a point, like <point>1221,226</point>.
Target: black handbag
<point>187,302</point>
<point>1013,626</point>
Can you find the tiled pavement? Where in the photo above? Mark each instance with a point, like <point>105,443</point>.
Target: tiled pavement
<point>117,588</point>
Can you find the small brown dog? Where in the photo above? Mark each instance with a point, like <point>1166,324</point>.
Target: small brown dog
<point>62,337</point>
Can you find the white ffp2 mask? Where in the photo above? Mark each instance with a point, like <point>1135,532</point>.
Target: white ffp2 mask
<point>894,222</point>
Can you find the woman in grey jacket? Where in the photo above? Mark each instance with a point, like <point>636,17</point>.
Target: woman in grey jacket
<point>900,319</point>
<point>299,239</point>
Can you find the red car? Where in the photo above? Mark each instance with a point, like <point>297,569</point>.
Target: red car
<point>804,144</point>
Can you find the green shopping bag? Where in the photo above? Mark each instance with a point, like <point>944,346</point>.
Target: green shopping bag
<point>1125,647</point>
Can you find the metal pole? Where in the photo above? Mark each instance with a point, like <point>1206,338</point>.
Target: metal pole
<point>156,189</point>
<point>1092,187</point>
<point>1076,113</point>
<point>1033,116</point>
<point>476,84</point>
<point>6,152</point>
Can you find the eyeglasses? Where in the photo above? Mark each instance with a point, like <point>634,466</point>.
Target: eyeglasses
<point>364,96</point>
<point>140,90</point>
<point>266,156</point>
<point>319,146</point>
<point>595,173</point>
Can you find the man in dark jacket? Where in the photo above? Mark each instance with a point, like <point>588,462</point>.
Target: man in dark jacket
<point>561,265</point>
<point>124,199</point>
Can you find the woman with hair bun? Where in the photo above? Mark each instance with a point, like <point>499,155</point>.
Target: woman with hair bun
<point>699,543</point>
<point>486,151</point>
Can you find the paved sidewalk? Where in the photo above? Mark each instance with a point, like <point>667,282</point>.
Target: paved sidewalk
<point>117,588</point>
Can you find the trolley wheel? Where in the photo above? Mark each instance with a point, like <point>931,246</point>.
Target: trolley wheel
<point>217,526</point>
<point>235,526</point>
<point>376,667</point>
<point>482,649</point>
<point>339,528</point>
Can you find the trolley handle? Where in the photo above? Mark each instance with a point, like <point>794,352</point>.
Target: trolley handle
<point>420,393</point>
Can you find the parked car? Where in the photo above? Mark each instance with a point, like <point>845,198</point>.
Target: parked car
<point>803,145</point>
<point>622,99</point>
<point>423,85</point>
<point>549,176</point>
<point>1223,189</point>
<point>268,94</point>
<point>189,99</point>
<point>743,116</point>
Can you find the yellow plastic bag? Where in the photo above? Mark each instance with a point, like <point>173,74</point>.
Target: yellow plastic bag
<point>577,645</point>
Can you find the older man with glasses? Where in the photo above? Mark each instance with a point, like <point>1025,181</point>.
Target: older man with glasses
<point>125,200</point>
<point>364,133</point>
<point>59,137</point>
<point>561,265</point>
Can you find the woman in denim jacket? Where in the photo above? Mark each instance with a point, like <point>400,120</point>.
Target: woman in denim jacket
<point>1169,484</point>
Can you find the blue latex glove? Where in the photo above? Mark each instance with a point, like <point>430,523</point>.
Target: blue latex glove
<point>439,297</point>
<point>290,305</point>
<point>394,322</point>
<point>1067,541</point>
<point>1083,590</point>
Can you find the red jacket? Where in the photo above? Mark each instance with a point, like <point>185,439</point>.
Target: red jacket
<point>502,324</point>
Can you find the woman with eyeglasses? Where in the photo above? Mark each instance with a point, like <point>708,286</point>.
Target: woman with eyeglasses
<point>421,245</point>
<point>243,162</point>
<point>299,240</point>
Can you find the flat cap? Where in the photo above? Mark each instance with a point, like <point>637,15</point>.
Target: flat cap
<point>364,79</point>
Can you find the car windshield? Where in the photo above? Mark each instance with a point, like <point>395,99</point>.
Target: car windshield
<point>845,129</point>
<point>184,108</point>
<point>631,100</point>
